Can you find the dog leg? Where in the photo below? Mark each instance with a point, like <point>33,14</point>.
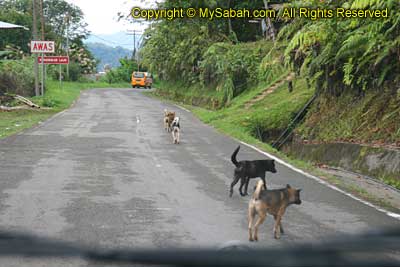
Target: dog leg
<point>261,219</point>
<point>252,214</point>
<point>235,181</point>
<point>178,137</point>
<point>280,225</point>
<point>277,227</point>
<point>246,186</point>
<point>263,179</point>
<point>242,182</point>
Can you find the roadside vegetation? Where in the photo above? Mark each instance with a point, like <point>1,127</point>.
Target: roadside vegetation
<point>16,62</point>
<point>281,106</point>
<point>216,67</point>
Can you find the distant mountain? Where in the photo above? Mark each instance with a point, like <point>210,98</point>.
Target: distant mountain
<point>122,39</point>
<point>108,54</point>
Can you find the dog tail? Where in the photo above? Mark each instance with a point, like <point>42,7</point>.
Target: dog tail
<point>259,188</point>
<point>233,157</point>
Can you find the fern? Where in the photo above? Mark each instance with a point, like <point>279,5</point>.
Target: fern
<point>383,74</point>
<point>362,4</point>
<point>382,55</point>
<point>347,70</point>
<point>352,45</point>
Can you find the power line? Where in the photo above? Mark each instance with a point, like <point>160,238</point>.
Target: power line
<point>134,33</point>
<point>109,42</point>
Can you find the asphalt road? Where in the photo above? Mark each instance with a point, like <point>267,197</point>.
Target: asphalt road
<point>106,173</point>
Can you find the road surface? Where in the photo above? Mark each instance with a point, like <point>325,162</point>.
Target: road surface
<point>106,173</point>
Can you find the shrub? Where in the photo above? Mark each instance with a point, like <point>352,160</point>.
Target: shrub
<point>50,102</point>
<point>74,72</point>
<point>17,77</point>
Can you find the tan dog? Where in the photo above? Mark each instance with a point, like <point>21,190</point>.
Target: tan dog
<point>273,202</point>
<point>168,119</point>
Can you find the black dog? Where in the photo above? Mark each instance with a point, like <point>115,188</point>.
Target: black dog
<point>247,169</point>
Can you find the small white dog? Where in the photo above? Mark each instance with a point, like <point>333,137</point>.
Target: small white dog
<point>176,128</point>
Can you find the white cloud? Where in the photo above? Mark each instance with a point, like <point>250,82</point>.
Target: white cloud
<point>102,15</point>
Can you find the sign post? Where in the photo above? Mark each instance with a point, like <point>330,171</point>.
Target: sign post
<point>60,77</point>
<point>42,84</point>
<point>42,47</point>
<point>55,60</point>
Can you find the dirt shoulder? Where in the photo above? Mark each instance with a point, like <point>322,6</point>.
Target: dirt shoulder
<point>365,187</point>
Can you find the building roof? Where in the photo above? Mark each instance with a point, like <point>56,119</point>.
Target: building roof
<point>5,25</point>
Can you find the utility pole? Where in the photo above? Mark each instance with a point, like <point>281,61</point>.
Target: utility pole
<point>35,38</point>
<point>67,21</point>
<point>42,18</point>
<point>134,32</point>
<point>43,39</point>
<point>138,54</point>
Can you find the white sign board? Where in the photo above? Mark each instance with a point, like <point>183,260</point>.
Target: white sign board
<point>42,47</point>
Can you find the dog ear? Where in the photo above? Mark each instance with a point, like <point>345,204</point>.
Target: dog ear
<point>288,186</point>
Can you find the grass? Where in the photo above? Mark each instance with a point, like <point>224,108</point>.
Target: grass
<point>56,97</point>
<point>272,113</point>
<point>390,181</point>
<point>372,118</point>
<point>193,95</point>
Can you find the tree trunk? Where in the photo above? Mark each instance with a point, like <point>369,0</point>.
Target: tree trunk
<point>270,26</point>
<point>231,34</point>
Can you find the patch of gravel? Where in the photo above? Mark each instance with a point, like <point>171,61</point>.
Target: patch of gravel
<point>376,190</point>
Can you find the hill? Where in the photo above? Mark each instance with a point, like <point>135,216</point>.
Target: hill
<point>108,54</point>
<point>115,39</point>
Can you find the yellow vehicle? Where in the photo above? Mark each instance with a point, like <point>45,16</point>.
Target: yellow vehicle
<point>141,79</point>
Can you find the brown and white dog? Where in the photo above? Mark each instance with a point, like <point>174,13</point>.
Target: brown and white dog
<point>176,129</point>
<point>273,202</point>
<point>168,118</point>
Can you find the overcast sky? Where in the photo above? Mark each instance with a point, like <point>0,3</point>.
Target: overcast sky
<point>101,15</point>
